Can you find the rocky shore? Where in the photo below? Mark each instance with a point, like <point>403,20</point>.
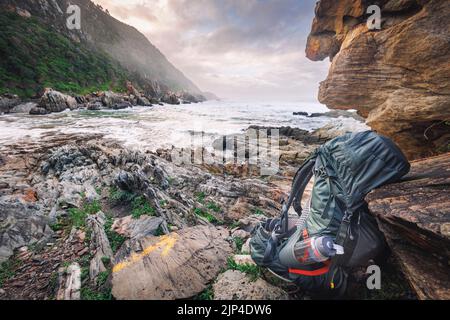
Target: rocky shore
<point>52,101</point>
<point>82,215</point>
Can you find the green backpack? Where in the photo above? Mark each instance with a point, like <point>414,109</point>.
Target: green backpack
<point>345,170</point>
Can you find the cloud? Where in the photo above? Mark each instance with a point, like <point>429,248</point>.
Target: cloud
<point>235,48</point>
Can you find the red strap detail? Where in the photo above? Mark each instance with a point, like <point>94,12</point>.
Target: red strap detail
<point>312,273</point>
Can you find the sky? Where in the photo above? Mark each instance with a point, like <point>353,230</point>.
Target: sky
<point>237,49</point>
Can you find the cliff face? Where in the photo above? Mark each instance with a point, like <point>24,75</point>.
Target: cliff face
<point>397,77</point>
<point>102,33</point>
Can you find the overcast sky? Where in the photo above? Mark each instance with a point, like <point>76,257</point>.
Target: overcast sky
<point>238,49</point>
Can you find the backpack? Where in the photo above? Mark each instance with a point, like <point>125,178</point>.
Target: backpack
<point>345,170</point>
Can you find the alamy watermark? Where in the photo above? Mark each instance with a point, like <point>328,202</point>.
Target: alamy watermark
<point>374,21</point>
<point>256,147</point>
<point>374,280</point>
<point>73,21</point>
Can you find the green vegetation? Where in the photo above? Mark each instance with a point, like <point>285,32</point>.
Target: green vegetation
<point>206,295</point>
<point>214,207</point>
<point>103,277</point>
<point>206,215</point>
<point>8,270</point>
<point>35,56</point>
<point>200,197</point>
<point>253,271</point>
<point>115,240</point>
<point>259,212</point>
<point>88,293</point>
<point>77,217</point>
<point>238,242</point>
<point>141,207</point>
<point>117,195</point>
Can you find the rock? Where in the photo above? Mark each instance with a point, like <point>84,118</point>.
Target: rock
<point>414,215</point>
<point>21,225</point>
<point>143,101</point>
<point>110,99</point>
<point>54,101</point>
<point>24,107</point>
<point>170,98</point>
<point>69,283</point>
<point>235,285</point>
<point>241,234</point>
<point>176,266</point>
<point>123,105</point>
<point>397,77</point>
<point>336,129</point>
<point>338,114</point>
<point>8,102</point>
<point>243,259</point>
<point>94,106</point>
<point>38,111</point>
<point>99,244</point>
<point>132,90</point>
<point>301,113</point>
<point>137,228</point>
<point>251,222</point>
<point>246,247</point>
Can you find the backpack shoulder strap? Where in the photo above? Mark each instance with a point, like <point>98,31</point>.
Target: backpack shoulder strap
<point>301,180</point>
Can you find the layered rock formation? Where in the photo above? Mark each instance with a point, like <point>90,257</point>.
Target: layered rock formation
<point>415,218</point>
<point>397,77</point>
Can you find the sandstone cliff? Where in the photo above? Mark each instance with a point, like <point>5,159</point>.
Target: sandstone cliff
<point>397,77</point>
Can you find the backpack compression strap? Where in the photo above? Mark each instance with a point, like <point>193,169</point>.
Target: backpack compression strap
<point>301,180</point>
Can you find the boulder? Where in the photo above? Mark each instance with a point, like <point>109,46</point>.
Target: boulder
<point>24,107</point>
<point>54,101</point>
<point>94,106</point>
<point>143,101</point>
<point>236,285</point>
<point>170,98</point>
<point>122,105</point>
<point>37,111</point>
<point>7,102</point>
<point>110,99</point>
<point>138,228</point>
<point>415,218</point>
<point>397,77</point>
<point>176,266</point>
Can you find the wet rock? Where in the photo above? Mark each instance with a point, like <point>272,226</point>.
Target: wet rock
<point>110,99</point>
<point>301,113</point>
<point>175,266</point>
<point>38,111</point>
<point>143,101</point>
<point>94,106</point>
<point>8,102</point>
<point>235,285</point>
<point>170,98</point>
<point>24,107</point>
<point>338,114</point>
<point>414,216</point>
<point>54,101</point>
<point>122,105</point>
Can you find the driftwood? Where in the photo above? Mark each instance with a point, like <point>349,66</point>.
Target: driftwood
<point>415,218</point>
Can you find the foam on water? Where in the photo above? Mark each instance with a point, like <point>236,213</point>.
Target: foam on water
<point>164,126</point>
